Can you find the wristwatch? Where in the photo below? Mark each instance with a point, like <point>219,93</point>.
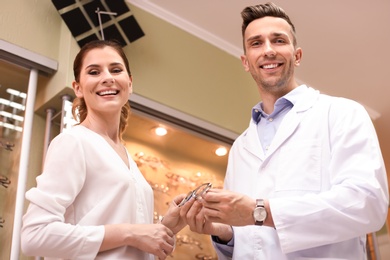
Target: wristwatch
<point>259,214</point>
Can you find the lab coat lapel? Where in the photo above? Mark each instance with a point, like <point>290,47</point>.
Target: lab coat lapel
<point>251,141</point>
<point>286,128</point>
<point>292,119</point>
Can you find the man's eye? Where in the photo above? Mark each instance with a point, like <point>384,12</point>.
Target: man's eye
<point>256,43</point>
<point>280,41</point>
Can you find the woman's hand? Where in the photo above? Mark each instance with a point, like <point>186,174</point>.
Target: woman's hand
<point>172,218</point>
<point>155,239</point>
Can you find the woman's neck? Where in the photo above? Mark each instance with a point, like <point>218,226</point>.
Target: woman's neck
<point>104,128</point>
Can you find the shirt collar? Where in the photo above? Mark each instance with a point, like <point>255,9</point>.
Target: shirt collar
<point>291,97</point>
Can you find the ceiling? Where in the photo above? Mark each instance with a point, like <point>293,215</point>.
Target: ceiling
<point>345,44</point>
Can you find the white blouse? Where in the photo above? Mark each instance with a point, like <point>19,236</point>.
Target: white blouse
<point>84,186</point>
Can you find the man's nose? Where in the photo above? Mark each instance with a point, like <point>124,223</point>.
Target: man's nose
<point>269,50</point>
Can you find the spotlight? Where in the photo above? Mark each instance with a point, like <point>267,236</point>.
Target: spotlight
<point>160,131</point>
<point>221,151</point>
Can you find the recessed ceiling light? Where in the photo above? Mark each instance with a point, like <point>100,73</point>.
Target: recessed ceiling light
<point>221,151</point>
<point>160,131</point>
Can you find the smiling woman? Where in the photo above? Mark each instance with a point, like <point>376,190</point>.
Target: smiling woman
<point>100,161</point>
<point>118,222</point>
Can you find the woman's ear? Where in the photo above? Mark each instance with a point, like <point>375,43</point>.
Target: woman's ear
<point>77,89</point>
<point>131,85</point>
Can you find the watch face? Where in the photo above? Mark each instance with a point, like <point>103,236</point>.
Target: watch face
<point>260,214</point>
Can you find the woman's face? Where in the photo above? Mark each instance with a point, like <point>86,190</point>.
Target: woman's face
<point>104,81</point>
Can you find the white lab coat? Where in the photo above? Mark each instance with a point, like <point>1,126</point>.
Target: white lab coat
<point>325,179</point>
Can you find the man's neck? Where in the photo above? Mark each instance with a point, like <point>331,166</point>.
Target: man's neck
<point>269,98</point>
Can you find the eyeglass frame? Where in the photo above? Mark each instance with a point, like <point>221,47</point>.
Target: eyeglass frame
<point>202,189</point>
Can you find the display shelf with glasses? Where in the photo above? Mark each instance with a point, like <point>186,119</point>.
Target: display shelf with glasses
<point>12,109</point>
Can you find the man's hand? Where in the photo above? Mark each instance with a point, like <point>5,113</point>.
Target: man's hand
<point>193,212</point>
<point>228,207</point>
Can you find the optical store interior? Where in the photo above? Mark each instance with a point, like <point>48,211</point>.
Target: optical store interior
<point>191,96</point>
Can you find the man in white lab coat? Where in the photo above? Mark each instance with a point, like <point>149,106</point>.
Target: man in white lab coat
<point>306,180</point>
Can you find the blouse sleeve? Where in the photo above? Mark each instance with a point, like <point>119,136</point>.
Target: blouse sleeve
<point>44,232</point>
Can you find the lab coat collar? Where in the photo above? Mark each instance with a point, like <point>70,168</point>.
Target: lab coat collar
<point>290,122</point>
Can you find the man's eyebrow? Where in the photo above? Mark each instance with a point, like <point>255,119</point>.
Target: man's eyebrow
<point>259,36</point>
<point>279,34</point>
<point>255,37</point>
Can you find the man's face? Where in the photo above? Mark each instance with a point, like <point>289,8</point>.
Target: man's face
<point>270,54</point>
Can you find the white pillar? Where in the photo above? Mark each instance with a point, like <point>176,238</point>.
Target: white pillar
<point>49,118</point>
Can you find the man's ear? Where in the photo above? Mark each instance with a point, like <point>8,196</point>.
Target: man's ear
<point>298,57</point>
<point>244,62</point>
<point>77,89</point>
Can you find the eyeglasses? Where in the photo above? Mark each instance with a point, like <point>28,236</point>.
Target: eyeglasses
<point>198,192</point>
<point>4,181</point>
<point>7,145</point>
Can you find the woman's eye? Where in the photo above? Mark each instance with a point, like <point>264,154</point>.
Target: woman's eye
<point>117,70</point>
<point>93,72</point>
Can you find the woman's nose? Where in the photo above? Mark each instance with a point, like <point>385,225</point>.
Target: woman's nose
<point>108,78</point>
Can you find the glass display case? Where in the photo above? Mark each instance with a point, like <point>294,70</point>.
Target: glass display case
<point>173,164</point>
<point>12,108</point>
<point>19,72</point>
